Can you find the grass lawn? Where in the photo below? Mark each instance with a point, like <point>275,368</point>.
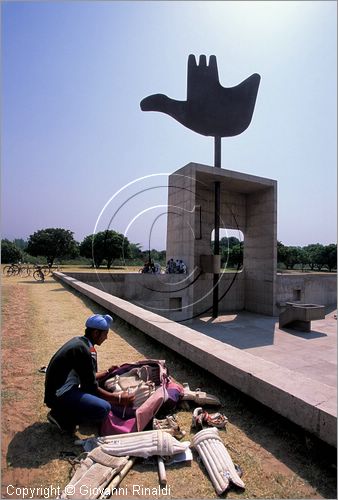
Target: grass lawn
<point>279,460</point>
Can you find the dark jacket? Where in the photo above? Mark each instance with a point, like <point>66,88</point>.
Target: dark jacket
<point>74,355</point>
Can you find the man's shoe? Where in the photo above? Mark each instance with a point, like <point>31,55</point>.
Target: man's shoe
<point>53,421</point>
<point>63,429</point>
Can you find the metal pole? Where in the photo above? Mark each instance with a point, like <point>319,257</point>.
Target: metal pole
<point>217,192</point>
<point>218,146</point>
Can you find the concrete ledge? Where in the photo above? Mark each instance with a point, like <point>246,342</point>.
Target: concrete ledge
<point>308,403</point>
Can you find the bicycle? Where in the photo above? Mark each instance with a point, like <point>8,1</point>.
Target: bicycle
<point>11,269</point>
<point>38,274</point>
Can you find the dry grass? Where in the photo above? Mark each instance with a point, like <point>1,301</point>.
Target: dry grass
<point>278,459</point>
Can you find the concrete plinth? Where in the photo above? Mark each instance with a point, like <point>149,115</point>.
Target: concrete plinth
<point>299,316</point>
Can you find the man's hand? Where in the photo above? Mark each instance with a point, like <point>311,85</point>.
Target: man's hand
<point>112,368</point>
<point>124,398</point>
<point>102,376</point>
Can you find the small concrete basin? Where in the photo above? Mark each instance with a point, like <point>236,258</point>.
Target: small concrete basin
<point>301,315</point>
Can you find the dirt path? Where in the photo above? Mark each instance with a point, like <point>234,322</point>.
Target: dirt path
<point>278,460</point>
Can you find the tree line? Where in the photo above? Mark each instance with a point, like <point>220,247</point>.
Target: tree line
<point>315,257</point>
<point>110,247</point>
<point>102,248</point>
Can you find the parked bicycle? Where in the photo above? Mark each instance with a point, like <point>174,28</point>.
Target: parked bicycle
<point>39,274</point>
<point>11,269</point>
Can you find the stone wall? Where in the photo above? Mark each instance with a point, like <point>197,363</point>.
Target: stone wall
<point>308,288</point>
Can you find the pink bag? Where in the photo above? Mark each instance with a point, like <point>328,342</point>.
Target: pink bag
<point>166,395</point>
<point>115,425</point>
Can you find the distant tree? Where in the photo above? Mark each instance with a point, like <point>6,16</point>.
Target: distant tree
<point>155,255</point>
<point>105,245</point>
<point>330,256</point>
<point>10,253</point>
<point>236,256</point>
<point>20,243</point>
<point>303,258</point>
<point>281,252</point>
<point>135,250</point>
<point>226,244</point>
<point>288,255</point>
<point>52,243</point>
<point>315,255</point>
<point>162,255</point>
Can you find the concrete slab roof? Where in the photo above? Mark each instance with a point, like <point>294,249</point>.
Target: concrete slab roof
<point>229,179</point>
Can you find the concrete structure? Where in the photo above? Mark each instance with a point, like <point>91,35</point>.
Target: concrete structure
<point>160,293</point>
<point>248,204</point>
<point>285,372</point>
<point>299,316</point>
<point>307,288</point>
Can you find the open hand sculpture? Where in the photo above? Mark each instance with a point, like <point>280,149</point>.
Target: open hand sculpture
<point>210,109</point>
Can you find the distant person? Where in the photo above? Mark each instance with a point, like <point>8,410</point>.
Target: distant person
<point>170,266</point>
<point>72,389</point>
<point>182,267</point>
<point>148,267</point>
<point>157,268</point>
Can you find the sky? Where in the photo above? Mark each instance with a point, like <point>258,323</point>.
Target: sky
<point>78,153</point>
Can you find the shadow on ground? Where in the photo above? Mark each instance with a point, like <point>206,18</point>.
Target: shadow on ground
<point>38,444</point>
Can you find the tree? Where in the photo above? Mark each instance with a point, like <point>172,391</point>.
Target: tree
<point>20,243</point>
<point>289,256</point>
<point>231,251</point>
<point>154,255</point>
<point>236,256</point>
<point>105,245</point>
<point>303,258</point>
<point>135,250</point>
<point>52,243</point>
<point>330,253</point>
<point>316,256</point>
<point>281,252</point>
<point>10,253</point>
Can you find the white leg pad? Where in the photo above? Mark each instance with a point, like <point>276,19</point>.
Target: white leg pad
<point>94,473</point>
<point>216,459</point>
<point>145,444</point>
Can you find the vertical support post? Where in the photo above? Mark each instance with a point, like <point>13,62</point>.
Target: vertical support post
<point>218,148</point>
<point>217,193</point>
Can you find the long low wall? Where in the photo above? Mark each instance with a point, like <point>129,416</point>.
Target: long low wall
<point>308,288</point>
<point>177,297</point>
<point>174,296</point>
<point>310,404</point>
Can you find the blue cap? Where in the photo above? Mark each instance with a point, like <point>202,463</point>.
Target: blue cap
<point>99,322</point>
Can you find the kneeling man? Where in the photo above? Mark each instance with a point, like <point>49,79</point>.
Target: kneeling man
<point>72,388</point>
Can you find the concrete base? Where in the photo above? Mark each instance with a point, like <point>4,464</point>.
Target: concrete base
<point>303,400</point>
<point>299,316</point>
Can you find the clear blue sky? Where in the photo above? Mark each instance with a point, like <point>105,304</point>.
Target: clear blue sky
<point>73,134</point>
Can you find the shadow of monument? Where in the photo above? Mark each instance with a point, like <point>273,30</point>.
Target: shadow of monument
<point>37,445</point>
<point>313,334</point>
<point>241,332</point>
